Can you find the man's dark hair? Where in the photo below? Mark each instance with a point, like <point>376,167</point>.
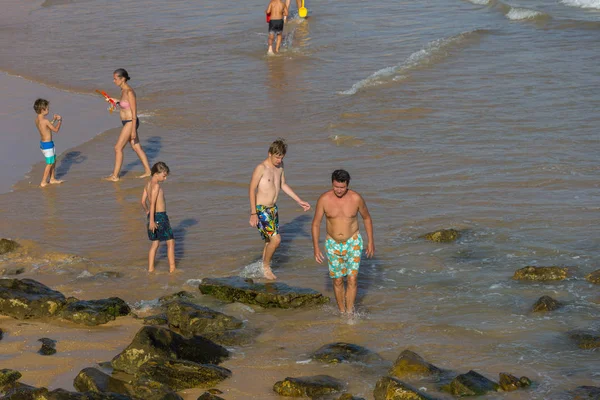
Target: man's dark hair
<point>341,176</point>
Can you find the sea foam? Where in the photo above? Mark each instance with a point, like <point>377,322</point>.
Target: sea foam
<point>582,3</point>
<point>519,14</point>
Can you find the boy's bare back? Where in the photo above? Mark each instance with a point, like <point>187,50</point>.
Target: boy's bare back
<point>277,9</point>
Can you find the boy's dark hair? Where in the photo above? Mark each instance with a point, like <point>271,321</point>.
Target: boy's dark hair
<point>40,105</point>
<point>159,167</point>
<point>278,147</point>
<point>341,176</point>
<point>122,73</point>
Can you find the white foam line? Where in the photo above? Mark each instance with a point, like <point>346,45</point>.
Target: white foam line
<point>519,14</point>
<point>582,3</point>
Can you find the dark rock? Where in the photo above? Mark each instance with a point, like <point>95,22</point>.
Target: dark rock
<point>8,376</point>
<point>585,339</point>
<point>175,296</point>
<point>153,342</point>
<point>308,386</point>
<point>181,374</point>
<point>7,245</point>
<point>94,312</point>
<point>471,384</point>
<point>26,298</point>
<point>508,382</point>
<point>594,277</point>
<point>541,274</point>
<point>442,236</point>
<point>108,274</point>
<point>21,391</point>
<point>345,352</point>
<point>192,319</point>
<point>94,380</point>
<point>12,271</point>
<point>159,319</point>
<point>348,396</point>
<point>237,337</point>
<point>268,295</point>
<point>48,347</point>
<point>410,363</point>
<point>546,303</point>
<point>586,393</point>
<point>390,388</point>
<point>209,396</point>
<point>1,334</point>
<point>61,394</point>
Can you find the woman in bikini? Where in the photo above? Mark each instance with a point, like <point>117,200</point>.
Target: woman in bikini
<point>128,111</point>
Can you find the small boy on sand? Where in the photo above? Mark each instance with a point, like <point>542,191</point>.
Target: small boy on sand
<point>159,228</point>
<point>45,127</point>
<point>277,10</point>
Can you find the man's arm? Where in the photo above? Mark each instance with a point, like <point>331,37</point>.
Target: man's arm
<point>316,229</point>
<point>153,198</point>
<point>144,198</point>
<point>366,216</point>
<point>256,175</point>
<point>288,190</point>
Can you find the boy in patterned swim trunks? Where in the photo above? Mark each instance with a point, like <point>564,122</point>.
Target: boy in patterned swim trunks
<point>159,227</point>
<point>45,127</point>
<point>267,179</point>
<point>344,243</point>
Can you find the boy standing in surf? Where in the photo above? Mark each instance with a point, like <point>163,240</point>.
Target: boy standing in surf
<point>159,228</point>
<point>276,11</point>
<point>267,179</point>
<point>45,127</point>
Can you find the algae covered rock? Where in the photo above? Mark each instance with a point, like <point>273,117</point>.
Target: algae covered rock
<point>546,303</point>
<point>471,384</point>
<point>209,396</point>
<point>181,374</point>
<point>94,312</point>
<point>156,343</point>
<point>410,363</point>
<point>158,319</point>
<point>390,388</point>
<point>585,339</point>
<point>7,245</point>
<point>8,376</point>
<point>26,299</point>
<point>192,319</point>
<point>541,273</point>
<point>345,352</point>
<point>268,295</point>
<point>12,271</point>
<point>308,386</point>
<point>594,277</point>
<point>48,347</point>
<point>61,394</point>
<point>508,382</point>
<point>442,236</point>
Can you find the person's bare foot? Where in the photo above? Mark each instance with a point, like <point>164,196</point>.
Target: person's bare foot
<point>56,181</point>
<point>270,52</point>
<point>43,184</point>
<point>111,178</point>
<point>151,270</point>
<point>172,270</point>
<point>269,274</point>
<point>145,175</point>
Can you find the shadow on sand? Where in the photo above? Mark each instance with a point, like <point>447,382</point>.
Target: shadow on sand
<point>179,232</point>
<point>152,147</point>
<point>67,161</point>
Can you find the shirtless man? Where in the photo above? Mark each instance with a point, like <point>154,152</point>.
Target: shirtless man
<point>277,11</point>
<point>267,179</point>
<point>344,244</point>
<point>159,227</point>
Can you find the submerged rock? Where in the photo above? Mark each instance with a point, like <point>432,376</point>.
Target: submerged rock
<point>180,374</point>
<point>308,386</point>
<point>237,337</point>
<point>546,303</point>
<point>585,339</point>
<point>209,396</point>
<point>442,236</point>
<point>7,245</point>
<point>21,391</point>
<point>156,343</point>
<point>176,296</point>
<point>48,347</point>
<point>410,363</point>
<point>159,319</point>
<point>8,376</point>
<point>471,384</point>
<point>1,333</point>
<point>541,273</point>
<point>586,393</point>
<point>594,277</point>
<point>61,394</point>
<point>345,352</point>
<point>26,298</point>
<point>268,295</point>
<point>12,271</point>
<point>389,388</point>
<point>508,382</point>
<point>94,312</point>
<point>192,319</point>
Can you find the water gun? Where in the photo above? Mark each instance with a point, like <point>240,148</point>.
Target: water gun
<point>268,18</point>
<point>113,105</point>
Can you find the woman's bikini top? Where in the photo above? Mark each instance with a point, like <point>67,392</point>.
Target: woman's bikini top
<point>124,105</point>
